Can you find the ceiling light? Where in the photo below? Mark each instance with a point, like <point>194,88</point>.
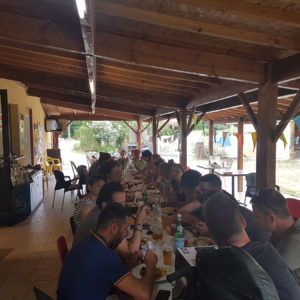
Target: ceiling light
<point>81,8</point>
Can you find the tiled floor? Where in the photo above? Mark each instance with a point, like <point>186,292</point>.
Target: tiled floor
<point>34,260</point>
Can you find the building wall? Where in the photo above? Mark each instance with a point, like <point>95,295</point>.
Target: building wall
<point>16,93</point>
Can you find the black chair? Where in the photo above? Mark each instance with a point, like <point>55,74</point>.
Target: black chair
<point>251,185</point>
<point>62,183</point>
<point>229,273</point>
<point>40,295</point>
<point>73,226</point>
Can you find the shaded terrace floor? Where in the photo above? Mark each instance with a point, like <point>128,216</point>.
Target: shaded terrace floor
<point>34,260</point>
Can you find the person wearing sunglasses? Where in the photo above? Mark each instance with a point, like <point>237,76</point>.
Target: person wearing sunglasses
<point>271,213</point>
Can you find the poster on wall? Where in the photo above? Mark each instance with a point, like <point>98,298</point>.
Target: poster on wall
<point>22,137</point>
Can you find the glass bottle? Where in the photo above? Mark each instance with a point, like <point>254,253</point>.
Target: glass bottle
<point>179,235</point>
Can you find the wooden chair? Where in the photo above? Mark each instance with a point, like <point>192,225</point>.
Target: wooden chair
<point>294,207</point>
<point>62,248</point>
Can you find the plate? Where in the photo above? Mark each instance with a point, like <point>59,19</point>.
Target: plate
<point>136,271</point>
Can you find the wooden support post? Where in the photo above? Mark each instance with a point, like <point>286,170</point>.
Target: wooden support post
<point>183,137</point>
<point>266,147</point>
<point>240,151</point>
<point>138,134</point>
<point>211,138</point>
<point>154,134</point>
<point>55,135</point>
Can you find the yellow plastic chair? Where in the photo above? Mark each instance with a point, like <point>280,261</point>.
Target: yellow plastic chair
<point>55,163</point>
<point>48,167</point>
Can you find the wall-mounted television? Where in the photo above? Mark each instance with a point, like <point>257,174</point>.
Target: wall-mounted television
<point>52,125</point>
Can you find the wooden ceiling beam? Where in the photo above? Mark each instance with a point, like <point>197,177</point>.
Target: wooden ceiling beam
<point>87,108</point>
<point>134,96</point>
<point>82,100</point>
<point>234,101</point>
<point>145,53</point>
<point>225,90</point>
<point>252,11</point>
<point>154,81</point>
<point>43,78</point>
<point>32,63</point>
<point>41,31</point>
<point>286,69</point>
<point>160,74</point>
<point>62,58</point>
<point>86,117</point>
<point>196,26</point>
<point>140,84</point>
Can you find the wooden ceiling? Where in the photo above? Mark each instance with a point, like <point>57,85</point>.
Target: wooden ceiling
<point>150,57</point>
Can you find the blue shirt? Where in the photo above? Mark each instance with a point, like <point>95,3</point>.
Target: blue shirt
<point>270,260</point>
<point>90,271</point>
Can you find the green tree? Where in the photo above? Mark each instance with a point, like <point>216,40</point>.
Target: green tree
<point>169,130</point>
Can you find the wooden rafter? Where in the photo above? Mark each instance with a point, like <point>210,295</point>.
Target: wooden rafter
<point>141,52</point>
<point>86,108</point>
<point>286,69</point>
<point>248,109</point>
<point>104,103</point>
<point>86,117</point>
<point>252,11</point>
<point>196,26</point>
<point>159,73</point>
<point>289,114</point>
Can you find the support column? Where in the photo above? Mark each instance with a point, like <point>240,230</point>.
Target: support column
<point>55,135</point>
<point>183,142</point>
<point>138,134</point>
<point>240,161</point>
<point>266,148</point>
<point>154,134</point>
<point>211,137</point>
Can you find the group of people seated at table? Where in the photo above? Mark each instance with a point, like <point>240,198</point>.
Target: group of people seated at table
<point>101,257</point>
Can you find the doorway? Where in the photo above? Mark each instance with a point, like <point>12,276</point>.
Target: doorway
<point>30,157</point>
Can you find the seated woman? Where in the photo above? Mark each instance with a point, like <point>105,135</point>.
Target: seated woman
<point>162,182</point>
<point>142,164</point>
<point>175,188</point>
<point>94,184</point>
<point>111,171</point>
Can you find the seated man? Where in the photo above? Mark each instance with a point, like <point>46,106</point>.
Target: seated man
<point>92,268</point>
<point>209,183</point>
<point>112,192</point>
<point>227,227</point>
<point>271,213</point>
